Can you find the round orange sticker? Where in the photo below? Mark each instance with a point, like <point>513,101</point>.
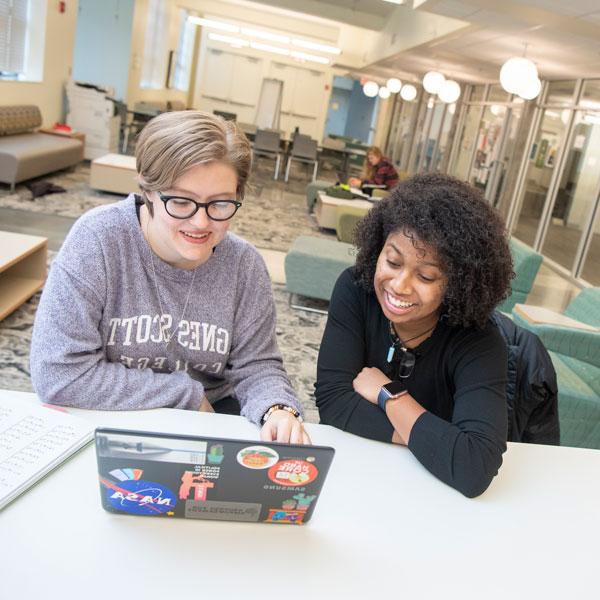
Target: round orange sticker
<point>293,472</point>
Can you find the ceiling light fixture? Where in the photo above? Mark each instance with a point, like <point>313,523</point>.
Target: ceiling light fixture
<point>269,48</point>
<point>384,93</point>
<point>314,46</point>
<point>517,75</point>
<point>394,85</point>
<point>211,24</point>
<point>531,90</point>
<point>266,35</point>
<point>433,81</point>
<point>449,91</point>
<point>370,89</point>
<point>229,39</point>
<point>408,92</point>
<point>310,57</point>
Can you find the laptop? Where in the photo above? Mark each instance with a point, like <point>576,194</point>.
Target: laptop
<point>196,477</point>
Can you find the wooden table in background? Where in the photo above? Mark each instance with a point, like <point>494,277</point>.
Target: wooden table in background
<point>22,269</point>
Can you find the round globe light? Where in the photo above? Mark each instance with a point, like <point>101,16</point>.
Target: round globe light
<point>370,89</point>
<point>449,92</point>
<point>432,81</point>
<point>516,73</point>
<point>531,90</point>
<point>384,93</point>
<point>408,92</point>
<point>394,85</point>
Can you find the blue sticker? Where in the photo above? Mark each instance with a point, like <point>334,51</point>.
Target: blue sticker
<point>140,497</point>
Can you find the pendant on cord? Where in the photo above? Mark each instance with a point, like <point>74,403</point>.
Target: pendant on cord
<point>390,354</point>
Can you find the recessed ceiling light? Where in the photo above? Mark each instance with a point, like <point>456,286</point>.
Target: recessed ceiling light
<point>212,24</point>
<point>269,48</point>
<point>229,39</point>
<point>266,35</point>
<point>310,57</point>
<point>315,46</point>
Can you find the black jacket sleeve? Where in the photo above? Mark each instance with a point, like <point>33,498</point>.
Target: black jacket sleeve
<point>466,452</point>
<point>341,358</point>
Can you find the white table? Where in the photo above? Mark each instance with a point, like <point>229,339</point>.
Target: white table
<point>383,528</point>
<point>326,209</point>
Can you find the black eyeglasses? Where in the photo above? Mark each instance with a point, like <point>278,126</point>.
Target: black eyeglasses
<point>185,208</point>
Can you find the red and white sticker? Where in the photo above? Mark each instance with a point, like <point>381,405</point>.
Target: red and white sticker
<point>293,472</point>
<point>257,457</point>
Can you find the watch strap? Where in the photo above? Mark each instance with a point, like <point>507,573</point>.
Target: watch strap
<point>386,394</point>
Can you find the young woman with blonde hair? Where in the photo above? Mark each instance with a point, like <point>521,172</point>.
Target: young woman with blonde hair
<point>151,302</point>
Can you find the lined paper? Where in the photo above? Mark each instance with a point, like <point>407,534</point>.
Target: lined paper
<point>34,439</point>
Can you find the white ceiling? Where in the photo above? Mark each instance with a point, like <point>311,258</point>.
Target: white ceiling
<point>561,36</point>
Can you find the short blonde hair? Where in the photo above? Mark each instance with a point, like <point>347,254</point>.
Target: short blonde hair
<point>173,142</point>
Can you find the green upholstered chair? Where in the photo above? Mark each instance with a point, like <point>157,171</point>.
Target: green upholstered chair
<point>526,266</point>
<point>347,218</point>
<point>312,189</point>
<point>575,353</point>
<point>313,265</point>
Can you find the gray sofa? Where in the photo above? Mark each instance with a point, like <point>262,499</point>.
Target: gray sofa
<point>26,153</point>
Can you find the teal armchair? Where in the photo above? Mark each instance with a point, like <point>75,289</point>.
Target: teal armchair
<point>575,352</point>
<point>526,264</point>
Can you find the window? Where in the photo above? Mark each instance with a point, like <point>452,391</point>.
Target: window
<point>156,46</point>
<point>22,39</point>
<point>185,52</point>
<point>13,37</point>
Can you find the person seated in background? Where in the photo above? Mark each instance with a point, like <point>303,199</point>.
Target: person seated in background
<point>151,302</point>
<point>377,170</point>
<point>422,363</point>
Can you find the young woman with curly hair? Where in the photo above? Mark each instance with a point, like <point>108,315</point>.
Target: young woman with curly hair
<point>409,354</point>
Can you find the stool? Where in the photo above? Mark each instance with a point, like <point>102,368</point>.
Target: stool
<point>114,173</point>
<point>313,265</point>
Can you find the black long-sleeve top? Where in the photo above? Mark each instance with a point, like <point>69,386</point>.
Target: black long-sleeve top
<point>459,378</point>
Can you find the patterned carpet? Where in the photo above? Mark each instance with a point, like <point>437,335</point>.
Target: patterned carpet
<point>273,215</point>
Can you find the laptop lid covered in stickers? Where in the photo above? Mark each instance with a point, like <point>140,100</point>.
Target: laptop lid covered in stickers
<point>197,477</point>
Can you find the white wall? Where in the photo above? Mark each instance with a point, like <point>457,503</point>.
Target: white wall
<point>58,59</point>
<point>352,40</point>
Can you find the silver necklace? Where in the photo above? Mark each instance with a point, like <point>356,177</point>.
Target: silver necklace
<point>170,333</point>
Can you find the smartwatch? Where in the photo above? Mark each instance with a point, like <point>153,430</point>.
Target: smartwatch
<point>391,390</point>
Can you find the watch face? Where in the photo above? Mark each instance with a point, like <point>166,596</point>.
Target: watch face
<point>395,387</point>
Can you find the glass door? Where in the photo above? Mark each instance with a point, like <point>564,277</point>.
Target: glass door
<point>577,191</point>
<point>468,137</point>
<point>503,161</point>
<point>572,228</point>
<point>542,158</point>
<point>442,146</point>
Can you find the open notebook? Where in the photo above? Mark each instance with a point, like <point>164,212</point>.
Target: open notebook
<point>34,439</point>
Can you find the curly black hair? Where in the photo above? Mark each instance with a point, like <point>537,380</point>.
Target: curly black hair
<point>468,236</point>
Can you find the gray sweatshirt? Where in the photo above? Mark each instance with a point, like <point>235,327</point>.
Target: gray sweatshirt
<point>99,333</point>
